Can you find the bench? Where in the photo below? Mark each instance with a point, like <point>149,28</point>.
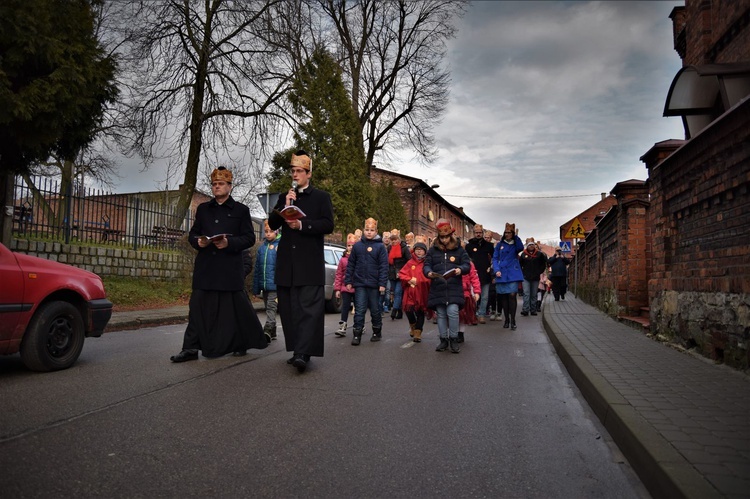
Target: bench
<point>161,234</point>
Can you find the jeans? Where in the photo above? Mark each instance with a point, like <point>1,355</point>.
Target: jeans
<point>385,298</point>
<point>398,293</point>
<point>447,319</point>
<point>529,295</point>
<point>482,309</point>
<point>365,298</point>
<point>271,303</point>
<point>346,305</point>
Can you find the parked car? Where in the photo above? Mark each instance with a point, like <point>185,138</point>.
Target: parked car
<point>46,310</point>
<point>332,254</point>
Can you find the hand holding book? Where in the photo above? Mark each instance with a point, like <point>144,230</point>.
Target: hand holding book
<point>291,212</point>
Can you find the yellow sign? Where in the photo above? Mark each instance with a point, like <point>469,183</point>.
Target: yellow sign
<point>575,231</point>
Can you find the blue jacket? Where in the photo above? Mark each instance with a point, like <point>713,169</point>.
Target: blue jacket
<point>264,277</point>
<point>368,264</point>
<point>505,261</point>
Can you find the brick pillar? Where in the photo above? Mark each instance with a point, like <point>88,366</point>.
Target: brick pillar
<point>634,241</point>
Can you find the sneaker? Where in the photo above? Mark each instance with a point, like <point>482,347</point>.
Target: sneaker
<point>524,313</point>
<point>481,320</point>
<point>341,331</point>
<point>443,345</point>
<point>533,312</point>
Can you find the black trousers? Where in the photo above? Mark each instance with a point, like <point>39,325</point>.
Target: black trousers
<point>302,311</point>
<point>559,285</point>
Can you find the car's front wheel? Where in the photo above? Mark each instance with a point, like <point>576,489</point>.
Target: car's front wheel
<point>54,338</point>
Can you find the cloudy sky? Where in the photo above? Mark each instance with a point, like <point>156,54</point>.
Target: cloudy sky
<point>552,104</point>
<point>551,99</point>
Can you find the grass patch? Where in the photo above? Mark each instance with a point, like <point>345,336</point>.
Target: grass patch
<point>128,293</point>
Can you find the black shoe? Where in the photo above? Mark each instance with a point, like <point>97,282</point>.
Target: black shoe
<point>562,296</point>
<point>506,325</point>
<point>394,312</point>
<point>454,346</point>
<point>375,337</point>
<point>513,325</point>
<point>357,338</point>
<point>239,353</point>
<point>300,363</point>
<point>290,361</point>
<point>533,312</point>
<point>185,356</point>
<point>460,338</point>
<point>400,314</point>
<point>443,345</point>
<point>524,313</point>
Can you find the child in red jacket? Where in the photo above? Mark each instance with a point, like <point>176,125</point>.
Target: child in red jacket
<point>416,287</point>
<point>472,292</point>
<point>346,295</point>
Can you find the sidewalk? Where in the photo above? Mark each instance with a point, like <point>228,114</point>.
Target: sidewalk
<point>682,422</point>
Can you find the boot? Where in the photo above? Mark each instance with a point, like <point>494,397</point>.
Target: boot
<point>460,338</point>
<point>454,345</point>
<point>411,330</point>
<point>341,332</point>
<point>443,345</point>
<point>506,324</point>
<point>417,335</point>
<point>375,334</point>
<point>513,324</point>
<point>399,314</point>
<point>357,336</point>
<point>393,313</point>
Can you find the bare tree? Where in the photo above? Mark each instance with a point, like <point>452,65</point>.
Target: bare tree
<point>198,71</point>
<point>392,51</point>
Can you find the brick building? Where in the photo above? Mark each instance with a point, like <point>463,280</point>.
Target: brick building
<point>423,205</point>
<point>678,244</point>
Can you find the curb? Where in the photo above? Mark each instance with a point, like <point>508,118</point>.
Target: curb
<point>663,470</point>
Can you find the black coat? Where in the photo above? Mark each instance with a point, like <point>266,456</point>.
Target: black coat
<point>532,266</point>
<point>441,259</point>
<point>215,269</point>
<point>559,266</point>
<point>299,258</point>
<point>480,251</point>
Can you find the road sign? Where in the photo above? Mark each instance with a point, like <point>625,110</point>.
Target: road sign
<point>565,246</point>
<point>575,231</point>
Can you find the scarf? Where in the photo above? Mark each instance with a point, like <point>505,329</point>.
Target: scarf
<point>394,253</point>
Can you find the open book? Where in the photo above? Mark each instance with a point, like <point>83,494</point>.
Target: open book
<point>449,273</point>
<point>214,237</point>
<point>291,212</point>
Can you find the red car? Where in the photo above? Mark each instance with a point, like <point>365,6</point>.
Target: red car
<point>46,310</point>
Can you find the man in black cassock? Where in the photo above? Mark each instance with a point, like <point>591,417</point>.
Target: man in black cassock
<point>300,264</point>
<point>221,319</point>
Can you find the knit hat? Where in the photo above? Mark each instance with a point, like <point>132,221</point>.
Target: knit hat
<point>444,227</point>
<point>530,241</point>
<point>371,223</point>
<point>351,239</point>
<point>221,174</point>
<point>420,246</point>
<point>301,159</point>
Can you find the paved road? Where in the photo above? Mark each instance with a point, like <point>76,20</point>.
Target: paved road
<point>388,419</point>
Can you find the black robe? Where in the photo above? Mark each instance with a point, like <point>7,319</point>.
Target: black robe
<point>221,318</point>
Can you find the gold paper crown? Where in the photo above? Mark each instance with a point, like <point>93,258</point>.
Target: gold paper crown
<point>409,237</point>
<point>420,239</point>
<point>371,223</point>
<point>530,240</point>
<point>509,227</point>
<point>395,232</point>
<point>303,161</point>
<point>444,227</point>
<point>351,239</point>
<point>265,225</point>
<point>358,234</point>
<point>478,227</point>
<point>221,174</point>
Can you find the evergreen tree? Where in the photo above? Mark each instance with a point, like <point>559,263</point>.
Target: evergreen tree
<point>329,130</point>
<point>388,210</point>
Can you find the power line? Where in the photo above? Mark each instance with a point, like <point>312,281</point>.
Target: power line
<point>517,197</point>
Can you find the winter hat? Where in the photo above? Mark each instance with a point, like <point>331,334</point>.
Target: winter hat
<point>420,245</point>
<point>221,174</point>
<point>301,159</point>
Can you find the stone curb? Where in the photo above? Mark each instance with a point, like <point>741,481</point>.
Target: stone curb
<point>663,470</point>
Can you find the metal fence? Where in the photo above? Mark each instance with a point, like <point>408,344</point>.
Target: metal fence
<point>45,209</point>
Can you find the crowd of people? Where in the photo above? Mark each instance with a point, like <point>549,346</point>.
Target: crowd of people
<point>452,282</point>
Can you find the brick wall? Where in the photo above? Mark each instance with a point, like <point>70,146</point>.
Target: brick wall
<point>105,261</point>
<point>699,288</point>
<point>715,32</point>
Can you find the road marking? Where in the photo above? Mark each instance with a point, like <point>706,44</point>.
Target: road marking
<point>518,352</point>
